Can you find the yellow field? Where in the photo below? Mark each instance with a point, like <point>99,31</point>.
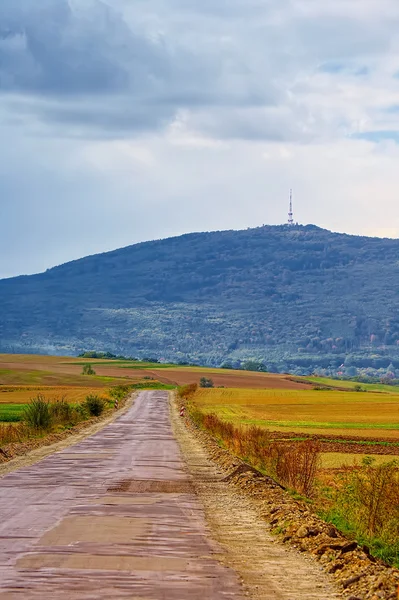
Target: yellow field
<point>22,395</point>
<point>335,460</point>
<point>311,411</point>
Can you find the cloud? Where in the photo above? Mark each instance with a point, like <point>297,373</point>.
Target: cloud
<point>122,121</point>
<point>94,68</point>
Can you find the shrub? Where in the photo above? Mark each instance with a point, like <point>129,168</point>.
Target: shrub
<point>373,493</point>
<point>296,465</point>
<point>38,414</point>
<point>95,405</point>
<point>119,392</point>
<point>64,413</point>
<point>88,370</point>
<point>61,411</point>
<point>186,391</point>
<point>206,383</point>
<point>82,412</point>
<point>10,434</point>
<point>367,505</point>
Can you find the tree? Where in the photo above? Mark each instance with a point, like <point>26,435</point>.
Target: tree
<point>350,371</point>
<point>227,365</point>
<point>206,383</point>
<point>88,370</point>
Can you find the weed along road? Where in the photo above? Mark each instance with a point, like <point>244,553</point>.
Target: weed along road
<point>115,516</point>
<point>118,515</point>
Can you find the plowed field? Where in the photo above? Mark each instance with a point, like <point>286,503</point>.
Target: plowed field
<point>67,371</point>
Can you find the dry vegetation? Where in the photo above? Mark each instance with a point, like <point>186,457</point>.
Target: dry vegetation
<point>63,392</point>
<point>361,500</point>
<point>45,415</point>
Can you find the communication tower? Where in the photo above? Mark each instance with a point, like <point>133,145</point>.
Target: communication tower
<point>290,212</point>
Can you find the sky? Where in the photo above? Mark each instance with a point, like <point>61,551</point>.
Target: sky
<point>126,121</point>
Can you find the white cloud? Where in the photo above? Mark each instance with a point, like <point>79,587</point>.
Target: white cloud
<point>157,117</point>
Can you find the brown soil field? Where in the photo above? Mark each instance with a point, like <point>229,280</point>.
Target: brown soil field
<point>53,370</point>
<point>231,379</point>
<point>345,444</point>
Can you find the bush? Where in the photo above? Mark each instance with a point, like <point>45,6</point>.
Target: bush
<point>186,391</point>
<point>367,505</point>
<point>82,412</point>
<point>206,383</point>
<point>61,411</point>
<point>64,413</point>
<point>294,465</point>
<point>10,434</point>
<point>95,405</point>
<point>88,370</point>
<point>38,414</point>
<point>373,492</point>
<point>119,392</point>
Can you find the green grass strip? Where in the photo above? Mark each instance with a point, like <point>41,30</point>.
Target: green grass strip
<point>11,413</point>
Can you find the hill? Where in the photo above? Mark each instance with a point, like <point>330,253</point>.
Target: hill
<point>292,298</point>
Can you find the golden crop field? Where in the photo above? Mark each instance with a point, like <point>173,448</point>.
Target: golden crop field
<point>22,394</point>
<point>334,460</point>
<point>360,414</point>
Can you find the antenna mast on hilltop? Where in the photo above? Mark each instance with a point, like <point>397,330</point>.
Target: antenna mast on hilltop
<point>290,213</point>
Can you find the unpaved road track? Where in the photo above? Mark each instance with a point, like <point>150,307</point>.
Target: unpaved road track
<point>115,516</point>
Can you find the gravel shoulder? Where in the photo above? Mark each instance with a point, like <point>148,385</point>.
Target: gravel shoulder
<point>268,569</point>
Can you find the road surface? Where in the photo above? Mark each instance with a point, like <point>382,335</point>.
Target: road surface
<point>114,516</point>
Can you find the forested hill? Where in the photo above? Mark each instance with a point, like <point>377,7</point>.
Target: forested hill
<point>278,294</point>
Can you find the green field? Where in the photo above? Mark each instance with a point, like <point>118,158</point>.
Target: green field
<point>11,413</point>
<point>352,385</point>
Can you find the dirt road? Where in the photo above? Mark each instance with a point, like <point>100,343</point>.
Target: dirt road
<point>115,516</point>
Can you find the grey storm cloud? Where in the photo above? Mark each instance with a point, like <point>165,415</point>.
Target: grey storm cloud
<point>100,69</point>
<point>81,63</point>
<point>113,69</point>
<point>54,47</point>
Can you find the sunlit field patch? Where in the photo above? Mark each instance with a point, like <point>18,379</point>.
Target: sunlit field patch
<point>352,385</point>
<point>336,460</point>
<point>364,414</point>
<point>22,395</point>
